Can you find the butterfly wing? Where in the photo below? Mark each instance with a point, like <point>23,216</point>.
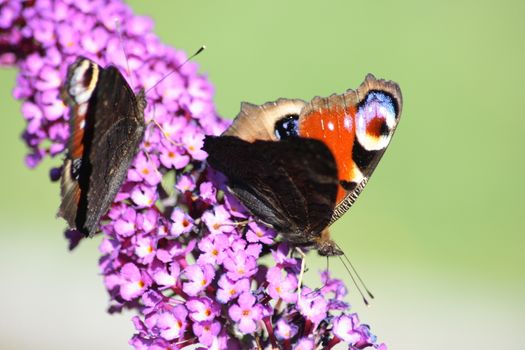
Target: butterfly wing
<point>107,127</point>
<point>269,179</point>
<point>357,127</point>
<point>80,87</point>
<point>119,130</point>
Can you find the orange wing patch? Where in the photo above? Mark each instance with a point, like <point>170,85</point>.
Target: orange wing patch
<point>335,126</point>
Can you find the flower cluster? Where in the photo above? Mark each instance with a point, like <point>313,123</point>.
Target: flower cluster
<point>176,246</point>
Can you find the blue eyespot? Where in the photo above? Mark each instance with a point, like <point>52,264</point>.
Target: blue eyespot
<point>287,127</point>
<point>383,99</point>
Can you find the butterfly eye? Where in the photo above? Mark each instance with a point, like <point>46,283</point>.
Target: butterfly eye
<point>287,126</point>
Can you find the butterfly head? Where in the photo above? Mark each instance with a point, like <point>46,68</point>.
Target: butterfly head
<point>326,246</point>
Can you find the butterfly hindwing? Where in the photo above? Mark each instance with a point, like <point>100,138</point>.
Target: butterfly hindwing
<point>269,178</point>
<point>119,130</point>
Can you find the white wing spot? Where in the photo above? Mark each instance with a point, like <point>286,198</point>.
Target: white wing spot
<point>348,122</point>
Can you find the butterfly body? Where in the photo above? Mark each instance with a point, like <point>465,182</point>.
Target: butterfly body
<point>349,133</point>
<point>106,129</point>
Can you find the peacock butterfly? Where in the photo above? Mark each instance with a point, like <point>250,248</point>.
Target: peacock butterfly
<point>106,129</point>
<point>299,166</point>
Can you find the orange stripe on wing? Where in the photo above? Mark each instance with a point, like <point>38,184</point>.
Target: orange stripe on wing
<point>76,146</point>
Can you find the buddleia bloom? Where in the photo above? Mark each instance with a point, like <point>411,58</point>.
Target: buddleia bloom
<point>176,247</point>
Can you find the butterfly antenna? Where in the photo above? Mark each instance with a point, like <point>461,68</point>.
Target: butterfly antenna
<point>121,39</point>
<point>357,274</point>
<point>354,281</point>
<point>202,48</point>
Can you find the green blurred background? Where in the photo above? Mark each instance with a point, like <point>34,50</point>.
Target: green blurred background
<point>437,234</point>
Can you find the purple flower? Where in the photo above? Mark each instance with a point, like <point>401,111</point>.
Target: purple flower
<point>171,157</point>
<point>185,184</point>
<point>165,275</point>
<point>240,265</point>
<point>246,313</point>
<point>144,249</point>
<point>202,309</point>
<point>213,249</point>
<point>285,330</point>
<point>207,332</point>
<point>134,282</point>
<point>172,323</point>
<point>199,277</point>
<point>144,169</point>
<point>304,344</point>
<point>208,192</point>
<point>193,144</point>
<point>177,248</point>
<point>282,287</point>
<point>313,305</point>
<point>125,225</point>
<point>218,221</point>
<point>235,207</point>
<point>143,196</point>
<point>344,328</point>
<point>229,289</point>
<point>181,222</point>
<point>257,233</point>
<point>280,256</point>
<point>147,221</point>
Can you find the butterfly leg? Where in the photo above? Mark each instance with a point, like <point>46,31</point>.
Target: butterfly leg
<point>301,273</point>
<point>241,223</point>
<point>165,134</point>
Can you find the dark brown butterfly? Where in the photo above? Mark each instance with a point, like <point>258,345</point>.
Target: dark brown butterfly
<point>106,129</point>
<point>351,132</point>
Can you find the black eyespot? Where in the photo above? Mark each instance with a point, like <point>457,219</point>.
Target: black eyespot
<point>385,130</point>
<point>287,126</point>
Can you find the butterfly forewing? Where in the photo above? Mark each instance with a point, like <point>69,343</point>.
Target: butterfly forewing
<point>357,127</point>
<point>119,130</point>
<point>259,122</point>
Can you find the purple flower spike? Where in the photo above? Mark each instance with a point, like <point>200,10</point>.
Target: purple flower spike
<point>177,247</point>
